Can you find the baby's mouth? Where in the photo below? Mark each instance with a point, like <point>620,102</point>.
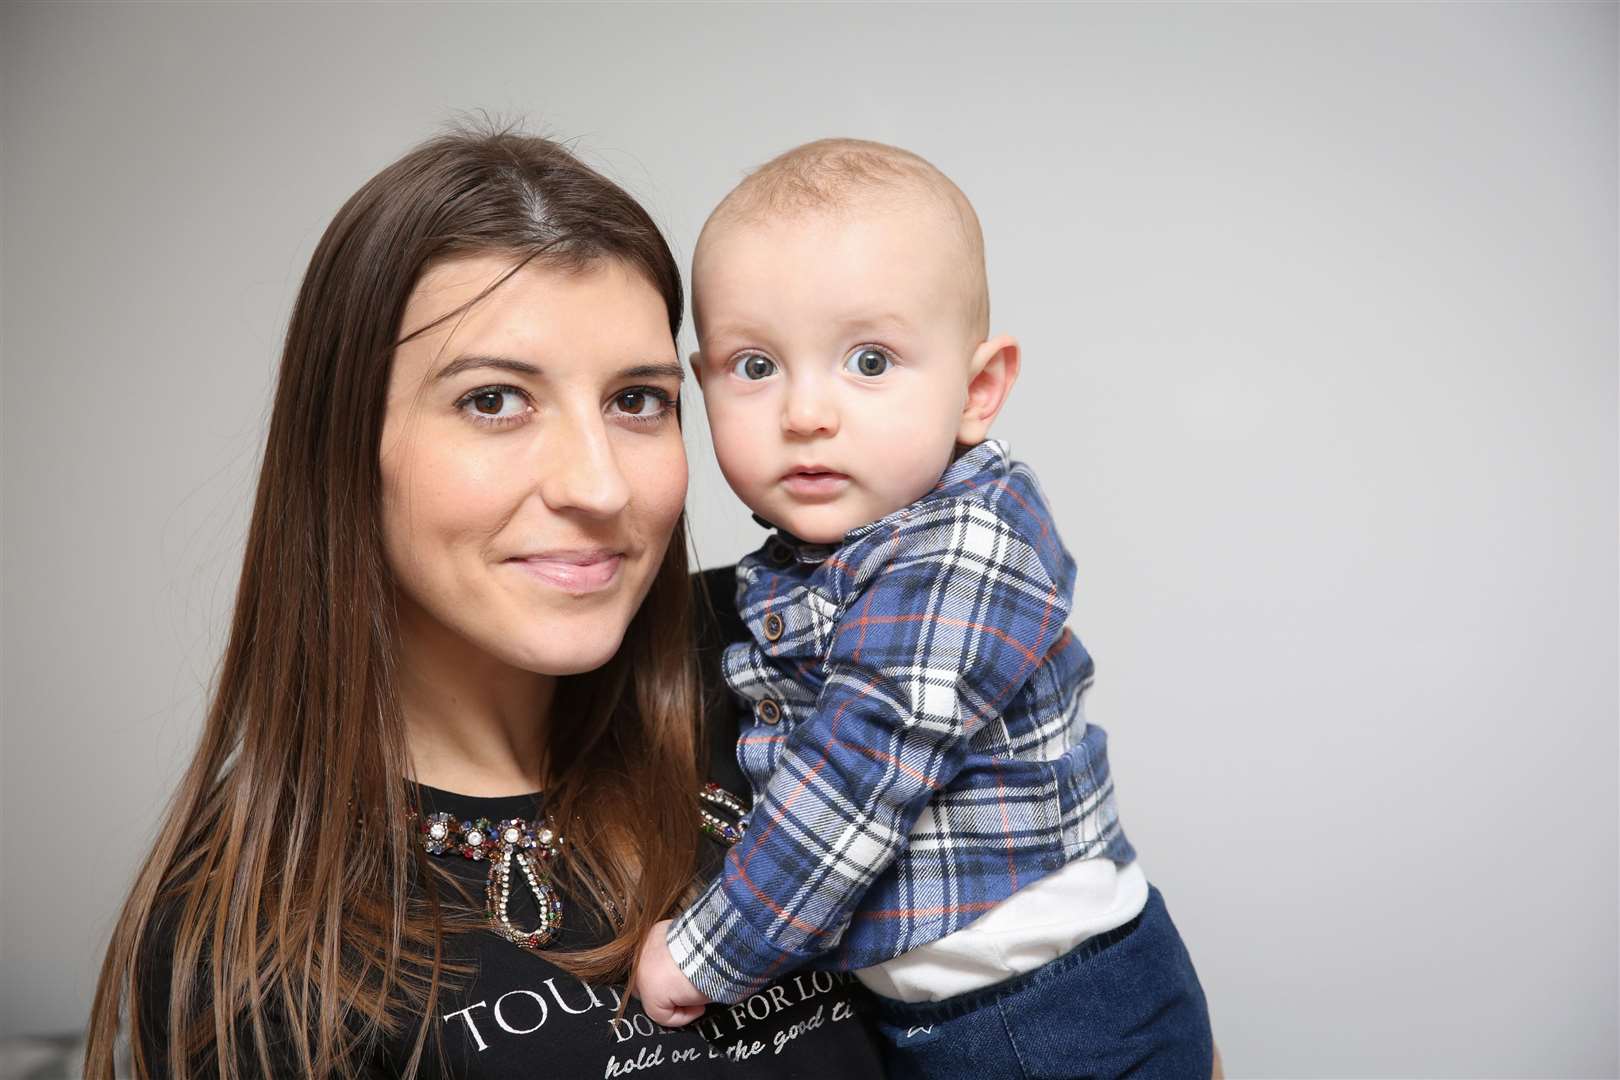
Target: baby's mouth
<point>815,482</point>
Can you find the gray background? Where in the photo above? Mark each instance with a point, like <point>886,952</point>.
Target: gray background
<point>1319,314</point>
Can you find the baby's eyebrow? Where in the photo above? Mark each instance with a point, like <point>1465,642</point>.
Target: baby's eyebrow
<point>730,332</point>
<point>881,321</point>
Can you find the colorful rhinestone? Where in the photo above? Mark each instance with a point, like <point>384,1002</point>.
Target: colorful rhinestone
<point>716,827</point>
<point>440,833</point>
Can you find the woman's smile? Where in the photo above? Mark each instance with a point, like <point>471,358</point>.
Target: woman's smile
<point>578,571</point>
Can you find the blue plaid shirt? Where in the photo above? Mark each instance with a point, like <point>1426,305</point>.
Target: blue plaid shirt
<point>918,750</point>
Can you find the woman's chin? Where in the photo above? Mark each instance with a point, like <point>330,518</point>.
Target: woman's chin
<point>565,655</point>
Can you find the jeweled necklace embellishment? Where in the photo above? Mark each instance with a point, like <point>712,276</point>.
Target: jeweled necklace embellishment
<point>533,846</point>
<point>716,827</point>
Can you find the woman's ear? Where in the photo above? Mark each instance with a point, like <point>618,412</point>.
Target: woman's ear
<point>991,374</point>
<point>696,360</point>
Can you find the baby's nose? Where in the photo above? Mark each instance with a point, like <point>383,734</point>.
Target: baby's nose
<point>809,411</point>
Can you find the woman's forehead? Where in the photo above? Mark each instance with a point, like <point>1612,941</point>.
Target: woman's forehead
<point>462,274</point>
<point>538,313</point>
<point>447,290</point>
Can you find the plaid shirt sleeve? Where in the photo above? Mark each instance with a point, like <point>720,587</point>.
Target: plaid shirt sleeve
<point>941,626</point>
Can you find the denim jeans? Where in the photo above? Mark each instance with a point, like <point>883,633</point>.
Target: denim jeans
<point>1123,1003</point>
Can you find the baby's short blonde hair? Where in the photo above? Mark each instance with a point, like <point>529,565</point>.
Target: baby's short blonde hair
<point>832,176</point>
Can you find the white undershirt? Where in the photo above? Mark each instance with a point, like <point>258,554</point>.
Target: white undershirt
<point>1034,926</point>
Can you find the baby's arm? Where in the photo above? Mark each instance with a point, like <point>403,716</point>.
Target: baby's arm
<point>941,638</point>
<point>666,994</point>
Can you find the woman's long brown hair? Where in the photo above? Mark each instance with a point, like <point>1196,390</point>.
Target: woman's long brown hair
<point>280,888</point>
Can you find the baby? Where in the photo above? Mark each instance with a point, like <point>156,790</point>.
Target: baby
<point>931,809</point>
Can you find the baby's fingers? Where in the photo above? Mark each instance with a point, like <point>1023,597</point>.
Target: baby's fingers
<point>668,1015</point>
<point>681,1015</point>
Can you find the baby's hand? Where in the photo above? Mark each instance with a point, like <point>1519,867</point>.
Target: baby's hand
<point>665,992</point>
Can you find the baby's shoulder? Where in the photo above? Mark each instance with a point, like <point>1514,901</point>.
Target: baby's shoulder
<point>983,526</point>
<point>943,524</point>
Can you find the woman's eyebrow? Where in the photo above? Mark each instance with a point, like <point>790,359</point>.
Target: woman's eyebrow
<point>654,371</point>
<point>503,363</point>
<point>662,370</point>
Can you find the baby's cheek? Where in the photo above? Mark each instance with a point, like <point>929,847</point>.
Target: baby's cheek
<point>741,455</point>
<point>916,449</point>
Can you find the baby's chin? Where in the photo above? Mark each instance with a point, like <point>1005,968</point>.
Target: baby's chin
<point>830,537</point>
<point>827,524</point>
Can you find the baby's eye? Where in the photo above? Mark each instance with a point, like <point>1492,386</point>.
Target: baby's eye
<point>492,403</point>
<point>754,366</point>
<point>867,361</point>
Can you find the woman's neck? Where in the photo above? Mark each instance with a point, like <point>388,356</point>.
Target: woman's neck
<point>473,723</point>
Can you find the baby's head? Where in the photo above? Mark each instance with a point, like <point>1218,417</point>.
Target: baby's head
<point>843,317</point>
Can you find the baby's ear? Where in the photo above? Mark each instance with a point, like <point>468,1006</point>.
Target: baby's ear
<point>696,360</point>
<point>991,374</point>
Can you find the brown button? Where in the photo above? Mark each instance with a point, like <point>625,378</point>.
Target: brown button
<point>773,626</point>
<point>779,553</point>
<point>768,711</point>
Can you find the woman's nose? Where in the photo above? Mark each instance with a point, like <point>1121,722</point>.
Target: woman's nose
<point>809,409</point>
<point>580,471</point>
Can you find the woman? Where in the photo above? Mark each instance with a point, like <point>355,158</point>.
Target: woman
<point>466,567</point>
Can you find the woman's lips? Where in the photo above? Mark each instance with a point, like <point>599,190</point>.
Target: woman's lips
<point>575,573</point>
<point>815,483</point>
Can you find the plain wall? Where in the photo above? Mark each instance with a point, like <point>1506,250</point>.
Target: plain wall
<point>1318,307</point>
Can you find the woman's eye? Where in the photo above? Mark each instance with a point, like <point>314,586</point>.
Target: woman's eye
<point>867,361</point>
<point>493,403</point>
<point>643,403</point>
<point>754,366</point>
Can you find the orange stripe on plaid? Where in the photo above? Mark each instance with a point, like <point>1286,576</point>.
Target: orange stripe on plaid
<point>1005,486</point>
<point>1046,620</point>
<point>740,874</point>
<point>879,755</point>
<point>1019,499</point>
<point>888,620</point>
<point>862,623</point>
<point>940,909</point>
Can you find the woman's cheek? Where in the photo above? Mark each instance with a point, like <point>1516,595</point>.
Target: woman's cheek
<point>653,465</point>
<point>668,483</point>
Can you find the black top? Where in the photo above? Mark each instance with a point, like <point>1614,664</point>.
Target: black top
<point>520,1016</point>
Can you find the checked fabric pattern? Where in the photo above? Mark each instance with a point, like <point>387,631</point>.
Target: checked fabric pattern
<point>919,750</point>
